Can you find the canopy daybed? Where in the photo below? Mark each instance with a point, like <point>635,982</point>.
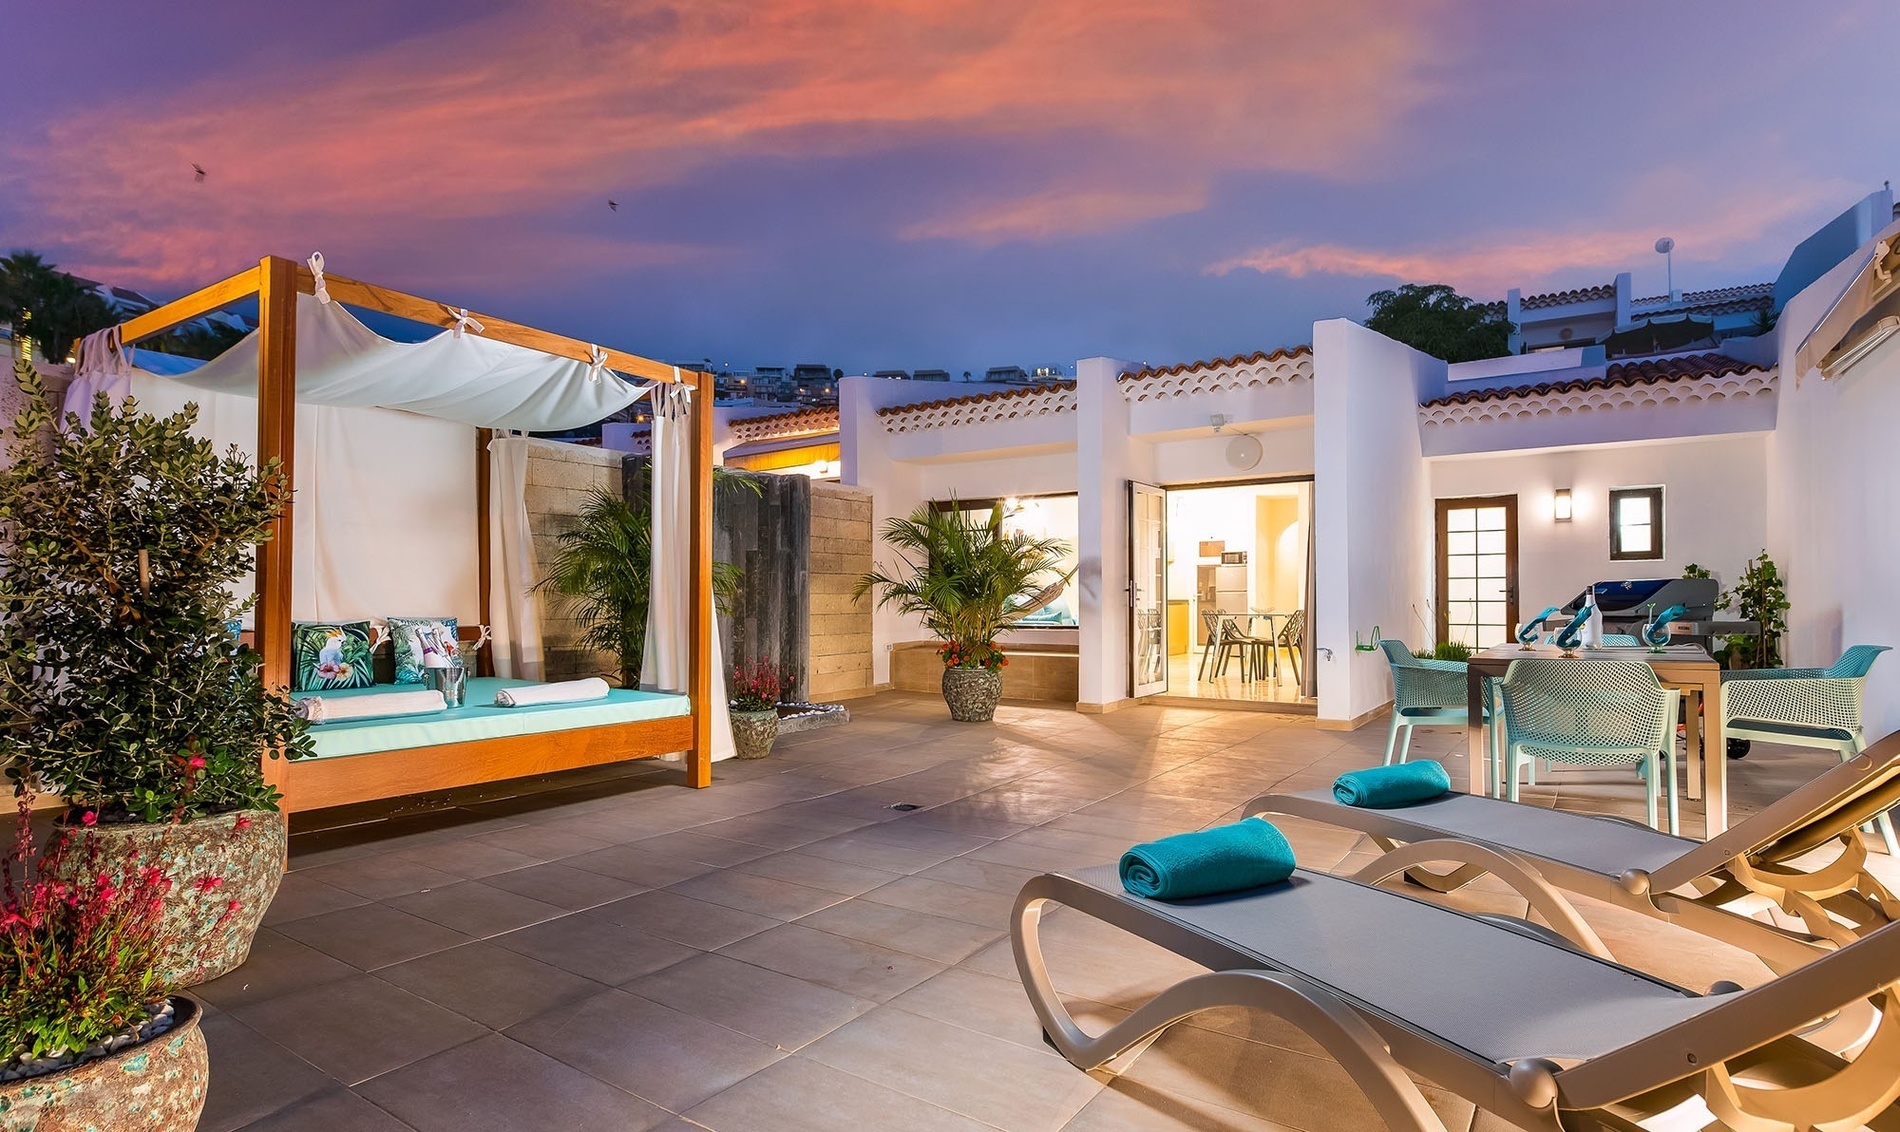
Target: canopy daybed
<point>511,377</point>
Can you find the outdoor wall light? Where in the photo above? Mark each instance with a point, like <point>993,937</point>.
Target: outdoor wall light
<point>1560,505</point>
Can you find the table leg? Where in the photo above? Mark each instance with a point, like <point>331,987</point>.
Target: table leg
<point>1714,761</point>
<point>1476,782</point>
<point>1692,751</point>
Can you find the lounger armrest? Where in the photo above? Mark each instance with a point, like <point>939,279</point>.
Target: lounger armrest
<point>1746,1021</point>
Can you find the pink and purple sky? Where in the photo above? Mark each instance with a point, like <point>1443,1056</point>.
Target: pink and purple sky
<point>944,183</point>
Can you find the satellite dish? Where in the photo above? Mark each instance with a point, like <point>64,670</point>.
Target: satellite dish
<point>1665,245</point>
<point>1243,452</point>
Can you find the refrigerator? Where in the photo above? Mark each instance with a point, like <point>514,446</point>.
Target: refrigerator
<point>1222,588</point>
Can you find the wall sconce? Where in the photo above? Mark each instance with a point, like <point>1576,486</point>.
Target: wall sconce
<point>1560,505</point>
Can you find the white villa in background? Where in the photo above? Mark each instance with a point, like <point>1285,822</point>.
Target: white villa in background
<point>1780,441</point>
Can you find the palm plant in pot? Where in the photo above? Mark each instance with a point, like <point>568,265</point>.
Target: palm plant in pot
<point>90,1037</point>
<point>967,578</point>
<point>122,686</point>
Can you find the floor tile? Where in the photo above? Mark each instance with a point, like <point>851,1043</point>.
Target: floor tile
<point>901,929</point>
<point>643,867</point>
<point>655,1052</point>
<point>499,1085</point>
<point>796,1095</point>
<point>1129,1106</point>
<point>702,847</point>
<point>334,1110</point>
<point>380,876</point>
<point>998,1082</point>
<point>594,948</point>
<point>278,965</point>
<point>779,899</point>
<point>818,872</point>
<point>251,1076</point>
<point>373,935</point>
<point>563,886</point>
<point>477,909</point>
<point>695,923</point>
<point>358,1028</point>
<point>951,901</point>
<point>490,984</point>
<point>858,968</point>
<point>774,1008</point>
<point>302,895</point>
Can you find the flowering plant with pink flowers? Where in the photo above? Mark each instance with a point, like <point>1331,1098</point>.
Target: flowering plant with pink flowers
<point>121,685</point>
<point>79,947</point>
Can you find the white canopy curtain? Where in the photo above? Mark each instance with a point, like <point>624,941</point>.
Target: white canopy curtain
<point>382,477</point>
<point>664,668</point>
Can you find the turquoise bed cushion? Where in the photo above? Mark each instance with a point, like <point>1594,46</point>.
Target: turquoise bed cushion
<point>479,718</point>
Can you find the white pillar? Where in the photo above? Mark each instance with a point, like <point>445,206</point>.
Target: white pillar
<point>1107,458</point>
<point>865,463</point>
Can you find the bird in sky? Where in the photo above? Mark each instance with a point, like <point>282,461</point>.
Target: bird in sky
<point>614,205</point>
<point>198,172</point>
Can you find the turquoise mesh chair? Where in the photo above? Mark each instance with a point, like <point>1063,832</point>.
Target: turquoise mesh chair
<point>1612,640</point>
<point>1591,713</point>
<point>1806,707</point>
<point>1424,692</point>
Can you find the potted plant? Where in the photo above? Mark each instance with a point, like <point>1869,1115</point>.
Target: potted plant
<point>1760,595</point>
<point>754,693</point>
<point>122,685</point>
<point>88,1035</point>
<point>967,579</point>
<point>602,568</point>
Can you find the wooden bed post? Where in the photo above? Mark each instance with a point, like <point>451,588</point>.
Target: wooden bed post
<point>276,439</point>
<point>700,658</point>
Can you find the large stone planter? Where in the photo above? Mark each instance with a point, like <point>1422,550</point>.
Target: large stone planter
<point>972,693</point>
<point>754,732</point>
<point>154,1086</point>
<point>224,870</point>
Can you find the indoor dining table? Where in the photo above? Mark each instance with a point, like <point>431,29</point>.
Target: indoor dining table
<point>1686,667</point>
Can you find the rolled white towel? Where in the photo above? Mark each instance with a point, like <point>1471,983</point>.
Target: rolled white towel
<point>564,692</point>
<point>336,709</point>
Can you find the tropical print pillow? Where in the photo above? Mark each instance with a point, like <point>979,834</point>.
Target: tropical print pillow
<point>330,654</point>
<point>416,638</point>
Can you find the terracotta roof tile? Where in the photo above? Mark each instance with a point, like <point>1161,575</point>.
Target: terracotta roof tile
<point>973,398</point>
<point>1565,298</point>
<point>1649,371</point>
<point>822,418</point>
<point>1252,359</point>
<point>1719,300</point>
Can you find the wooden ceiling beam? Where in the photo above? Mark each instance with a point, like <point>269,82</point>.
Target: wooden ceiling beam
<point>200,302</point>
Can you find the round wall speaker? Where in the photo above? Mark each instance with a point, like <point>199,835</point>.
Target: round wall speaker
<point>1243,452</point>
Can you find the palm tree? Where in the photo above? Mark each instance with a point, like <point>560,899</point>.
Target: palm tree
<point>602,567</point>
<point>966,577</point>
<point>52,307</point>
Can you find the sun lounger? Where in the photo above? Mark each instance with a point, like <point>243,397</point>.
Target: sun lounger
<point>1518,1021</point>
<point>1697,885</point>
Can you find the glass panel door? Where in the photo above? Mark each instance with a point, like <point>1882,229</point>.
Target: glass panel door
<point>1147,590</point>
<point>1477,570</point>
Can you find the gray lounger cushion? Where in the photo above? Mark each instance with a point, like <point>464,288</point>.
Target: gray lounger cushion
<point>1497,994</point>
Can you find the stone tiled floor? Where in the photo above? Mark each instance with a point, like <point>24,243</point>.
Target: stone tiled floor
<point>786,953</point>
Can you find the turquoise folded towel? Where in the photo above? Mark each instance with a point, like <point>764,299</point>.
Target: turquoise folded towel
<point>1383,787</point>
<point>1227,858</point>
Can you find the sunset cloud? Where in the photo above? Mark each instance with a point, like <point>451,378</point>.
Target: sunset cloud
<point>1749,219</point>
<point>566,103</point>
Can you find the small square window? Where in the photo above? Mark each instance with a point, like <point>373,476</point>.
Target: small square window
<point>1636,523</point>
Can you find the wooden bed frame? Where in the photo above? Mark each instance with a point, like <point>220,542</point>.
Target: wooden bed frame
<point>313,783</point>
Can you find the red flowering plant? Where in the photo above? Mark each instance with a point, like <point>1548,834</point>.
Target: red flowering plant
<point>754,687</point>
<point>79,950</point>
<point>982,654</point>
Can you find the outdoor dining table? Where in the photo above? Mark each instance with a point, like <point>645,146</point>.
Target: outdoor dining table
<point>1686,667</point>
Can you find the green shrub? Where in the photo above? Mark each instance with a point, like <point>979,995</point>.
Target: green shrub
<point>120,684</point>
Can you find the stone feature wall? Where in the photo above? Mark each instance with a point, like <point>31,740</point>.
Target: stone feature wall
<point>762,524</point>
<point>560,478</point>
<point>840,665</point>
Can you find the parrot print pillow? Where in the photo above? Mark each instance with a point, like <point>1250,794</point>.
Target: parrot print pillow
<point>416,638</point>
<point>330,655</point>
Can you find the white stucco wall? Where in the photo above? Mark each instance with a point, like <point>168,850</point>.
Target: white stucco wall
<point>1832,502</point>
<point>1714,510</point>
<point>1372,501</point>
